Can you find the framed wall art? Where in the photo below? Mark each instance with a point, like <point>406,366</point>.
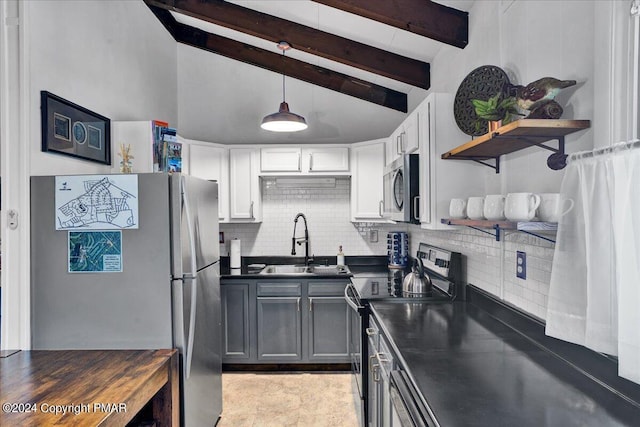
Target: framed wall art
<point>72,130</point>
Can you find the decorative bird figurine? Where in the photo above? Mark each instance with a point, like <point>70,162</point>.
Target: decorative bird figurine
<point>539,93</point>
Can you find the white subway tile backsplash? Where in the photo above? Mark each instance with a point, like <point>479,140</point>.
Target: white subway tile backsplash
<point>490,265</point>
<point>328,215</point>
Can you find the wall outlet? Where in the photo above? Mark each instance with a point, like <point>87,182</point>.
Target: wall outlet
<point>521,265</point>
<point>373,236</point>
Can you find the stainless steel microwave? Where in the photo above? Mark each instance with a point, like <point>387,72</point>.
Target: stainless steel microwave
<point>401,189</point>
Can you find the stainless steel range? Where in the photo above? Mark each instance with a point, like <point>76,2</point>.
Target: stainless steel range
<point>445,270</point>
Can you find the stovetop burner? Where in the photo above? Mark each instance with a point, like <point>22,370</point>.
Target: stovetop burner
<point>443,267</point>
<point>389,286</point>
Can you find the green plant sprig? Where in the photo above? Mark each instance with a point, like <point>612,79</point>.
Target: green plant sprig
<point>495,108</point>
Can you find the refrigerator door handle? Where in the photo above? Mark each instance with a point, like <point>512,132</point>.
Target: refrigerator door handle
<point>194,282</point>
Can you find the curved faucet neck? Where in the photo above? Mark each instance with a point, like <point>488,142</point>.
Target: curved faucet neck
<point>305,239</point>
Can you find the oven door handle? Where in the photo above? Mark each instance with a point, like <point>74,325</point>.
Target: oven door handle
<point>348,299</point>
<point>406,403</point>
<point>400,408</point>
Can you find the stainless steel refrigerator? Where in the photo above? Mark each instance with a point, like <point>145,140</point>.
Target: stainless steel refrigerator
<point>166,296</point>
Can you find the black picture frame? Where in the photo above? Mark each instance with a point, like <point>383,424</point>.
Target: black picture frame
<point>75,131</point>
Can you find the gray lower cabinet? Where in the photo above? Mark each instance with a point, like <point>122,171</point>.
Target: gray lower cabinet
<point>279,320</point>
<point>236,322</point>
<point>328,328</point>
<point>285,321</point>
<point>279,323</point>
<point>328,321</point>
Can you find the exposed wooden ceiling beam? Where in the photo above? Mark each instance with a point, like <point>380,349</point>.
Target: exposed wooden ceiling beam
<point>303,38</point>
<point>424,17</point>
<point>282,64</point>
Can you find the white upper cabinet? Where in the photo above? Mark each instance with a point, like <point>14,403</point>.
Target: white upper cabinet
<point>405,139</point>
<point>367,167</point>
<point>323,159</point>
<point>443,180</point>
<point>211,162</point>
<point>411,133</point>
<point>308,160</point>
<point>244,185</point>
<point>285,159</point>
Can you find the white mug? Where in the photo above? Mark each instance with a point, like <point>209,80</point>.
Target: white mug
<point>458,208</point>
<point>494,207</point>
<point>475,207</point>
<point>550,207</point>
<point>521,206</point>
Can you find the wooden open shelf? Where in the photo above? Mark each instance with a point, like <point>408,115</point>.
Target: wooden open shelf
<point>529,227</point>
<point>517,136</point>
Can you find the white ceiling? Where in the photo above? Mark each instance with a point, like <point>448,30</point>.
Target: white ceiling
<point>223,100</point>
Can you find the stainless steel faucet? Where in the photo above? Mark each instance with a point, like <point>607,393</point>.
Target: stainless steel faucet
<point>300,240</point>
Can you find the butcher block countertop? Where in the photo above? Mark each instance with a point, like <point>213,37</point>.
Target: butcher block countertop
<point>88,387</point>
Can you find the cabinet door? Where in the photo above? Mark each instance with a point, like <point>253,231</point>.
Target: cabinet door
<point>366,182</point>
<point>280,159</point>
<point>411,133</point>
<point>235,322</point>
<point>244,185</point>
<point>326,159</point>
<point>394,146</point>
<point>328,337</point>
<point>441,180</point>
<point>212,163</point>
<point>279,329</point>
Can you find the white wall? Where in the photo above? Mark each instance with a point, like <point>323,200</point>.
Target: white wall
<point>327,212</point>
<point>529,40</point>
<point>114,58</point>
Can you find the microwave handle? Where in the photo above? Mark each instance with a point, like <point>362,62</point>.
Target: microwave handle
<point>416,208</point>
<point>380,208</point>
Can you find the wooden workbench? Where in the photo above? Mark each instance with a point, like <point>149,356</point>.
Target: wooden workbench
<point>88,387</point>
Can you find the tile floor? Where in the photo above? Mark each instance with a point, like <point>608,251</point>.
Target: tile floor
<point>287,399</point>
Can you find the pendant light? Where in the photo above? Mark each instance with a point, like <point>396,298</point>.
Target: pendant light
<point>284,120</point>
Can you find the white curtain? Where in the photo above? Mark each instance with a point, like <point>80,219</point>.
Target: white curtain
<point>594,295</point>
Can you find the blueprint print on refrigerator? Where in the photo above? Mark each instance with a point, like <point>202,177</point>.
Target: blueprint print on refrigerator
<point>96,202</point>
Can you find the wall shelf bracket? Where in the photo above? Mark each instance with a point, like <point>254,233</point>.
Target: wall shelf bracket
<point>532,228</point>
<point>496,229</point>
<point>537,235</point>
<point>495,167</point>
<point>518,135</point>
<point>495,233</point>
<point>557,160</point>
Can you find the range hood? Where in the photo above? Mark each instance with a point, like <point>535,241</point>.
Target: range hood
<point>305,182</point>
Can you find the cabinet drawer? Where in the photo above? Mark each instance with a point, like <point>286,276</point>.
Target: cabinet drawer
<point>279,289</point>
<point>326,288</point>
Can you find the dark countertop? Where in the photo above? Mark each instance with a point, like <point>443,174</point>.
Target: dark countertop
<point>474,370</point>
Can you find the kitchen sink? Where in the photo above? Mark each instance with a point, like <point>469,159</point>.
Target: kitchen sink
<point>330,269</point>
<point>286,269</point>
<point>305,270</point>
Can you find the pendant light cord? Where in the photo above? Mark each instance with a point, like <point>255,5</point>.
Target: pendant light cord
<point>283,65</point>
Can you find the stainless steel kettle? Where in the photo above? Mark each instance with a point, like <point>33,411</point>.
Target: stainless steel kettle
<point>416,283</point>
